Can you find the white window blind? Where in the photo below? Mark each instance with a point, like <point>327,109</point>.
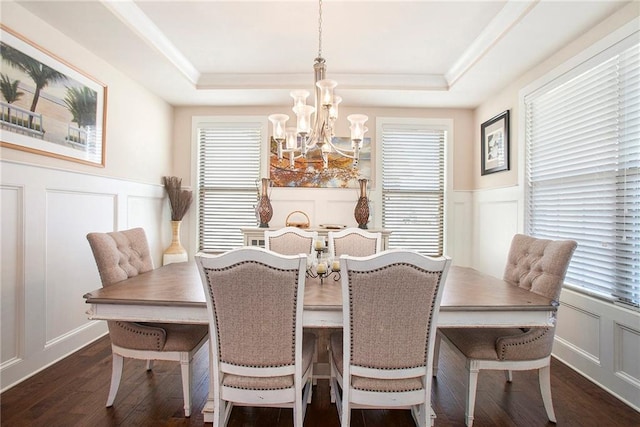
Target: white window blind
<point>583,172</point>
<point>228,169</point>
<point>413,187</point>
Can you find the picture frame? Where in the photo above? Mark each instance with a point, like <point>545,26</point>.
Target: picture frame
<point>494,144</point>
<point>309,172</point>
<point>48,106</point>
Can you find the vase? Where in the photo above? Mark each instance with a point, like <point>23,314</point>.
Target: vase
<point>361,211</point>
<point>264,209</point>
<point>175,252</point>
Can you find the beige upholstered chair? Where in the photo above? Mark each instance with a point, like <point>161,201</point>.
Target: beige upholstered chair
<point>383,357</point>
<point>123,254</point>
<point>290,241</point>
<point>354,242</point>
<point>260,355</point>
<point>540,266</point>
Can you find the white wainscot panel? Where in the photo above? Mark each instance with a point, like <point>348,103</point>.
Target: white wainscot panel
<point>497,222</point>
<point>458,229</point>
<point>579,330</point>
<point>283,208</point>
<point>627,344</point>
<point>11,278</point>
<point>70,266</point>
<point>342,212</point>
<point>146,212</point>
<point>322,205</point>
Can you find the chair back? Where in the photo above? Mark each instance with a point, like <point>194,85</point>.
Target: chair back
<point>391,303</point>
<point>290,240</point>
<point>120,254</point>
<point>354,242</point>
<point>539,265</point>
<point>254,301</point>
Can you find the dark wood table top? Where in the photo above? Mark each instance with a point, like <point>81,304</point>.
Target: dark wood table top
<point>179,284</point>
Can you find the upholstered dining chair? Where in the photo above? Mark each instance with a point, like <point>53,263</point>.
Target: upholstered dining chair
<point>354,242</point>
<point>538,265</point>
<point>290,240</point>
<point>123,254</point>
<point>383,356</point>
<point>261,357</point>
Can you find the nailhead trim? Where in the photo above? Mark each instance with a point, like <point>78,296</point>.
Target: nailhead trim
<point>529,341</point>
<point>293,344</point>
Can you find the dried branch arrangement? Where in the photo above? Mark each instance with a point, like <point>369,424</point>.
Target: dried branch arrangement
<point>179,199</point>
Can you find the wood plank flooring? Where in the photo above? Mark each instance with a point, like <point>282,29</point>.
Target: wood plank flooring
<point>73,392</point>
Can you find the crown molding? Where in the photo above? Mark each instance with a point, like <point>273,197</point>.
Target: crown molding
<point>512,13</point>
<point>139,23</point>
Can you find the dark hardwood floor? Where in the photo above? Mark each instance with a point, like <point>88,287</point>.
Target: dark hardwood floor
<point>73,392</point>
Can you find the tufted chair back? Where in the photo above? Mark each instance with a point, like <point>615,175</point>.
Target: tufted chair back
<point>539,265</point>
<point>120,254</point>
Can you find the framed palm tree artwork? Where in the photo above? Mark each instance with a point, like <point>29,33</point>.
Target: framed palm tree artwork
<point>48,106</point>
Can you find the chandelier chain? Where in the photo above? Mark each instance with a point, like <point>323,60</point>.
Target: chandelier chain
<point>320,29</point>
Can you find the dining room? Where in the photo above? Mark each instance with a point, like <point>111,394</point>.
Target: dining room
<point>446,160</point>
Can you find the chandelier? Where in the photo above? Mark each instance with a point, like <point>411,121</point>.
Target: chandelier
<point>316,132</point>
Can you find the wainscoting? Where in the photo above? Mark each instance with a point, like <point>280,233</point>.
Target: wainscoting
<point>598,339</point>
<point>47,264</point>
<point>602,341</point>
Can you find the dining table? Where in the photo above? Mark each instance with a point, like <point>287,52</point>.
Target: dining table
<point>174,294</point>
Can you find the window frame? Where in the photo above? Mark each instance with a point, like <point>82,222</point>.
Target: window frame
<point>202,121</point>
<point>446,125</point>
<point>606,48</point>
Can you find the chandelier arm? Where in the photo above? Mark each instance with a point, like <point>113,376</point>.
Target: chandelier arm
<point>345,153</point>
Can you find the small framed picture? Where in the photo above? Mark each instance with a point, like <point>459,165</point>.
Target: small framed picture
<point>494,145</point>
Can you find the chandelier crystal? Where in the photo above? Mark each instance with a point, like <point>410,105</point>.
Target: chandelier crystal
<point>315,124</point>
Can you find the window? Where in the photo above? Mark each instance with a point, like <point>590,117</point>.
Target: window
<point>228,170</point>
<point>413,185</point>
<point>582,140</point>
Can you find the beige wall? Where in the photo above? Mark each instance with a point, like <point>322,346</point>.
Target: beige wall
<point>139,124</point>
<point>463,138</point>
<point>508,98</point>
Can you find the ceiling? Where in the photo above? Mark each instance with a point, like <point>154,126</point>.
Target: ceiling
<point>382,53</point>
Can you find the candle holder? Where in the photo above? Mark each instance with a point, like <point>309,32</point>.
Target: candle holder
<point>323,274</point>
<point>323,268</point>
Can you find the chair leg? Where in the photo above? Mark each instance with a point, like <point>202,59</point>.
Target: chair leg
<point>509,375</point>
<point>472,385</point>
<point>298,413</point>
<point>310,385</point>
<point>116,375</point>
<point>345,419</point>
<point>332,380</point>
<point>186,369</point>
<point>421,414</point>
<point>149,364</point>
<point>544,377</point>
<point>436,354</point>
<point>344,407</point>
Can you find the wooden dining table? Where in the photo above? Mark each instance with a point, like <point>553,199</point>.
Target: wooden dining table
<point>174,294</point>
